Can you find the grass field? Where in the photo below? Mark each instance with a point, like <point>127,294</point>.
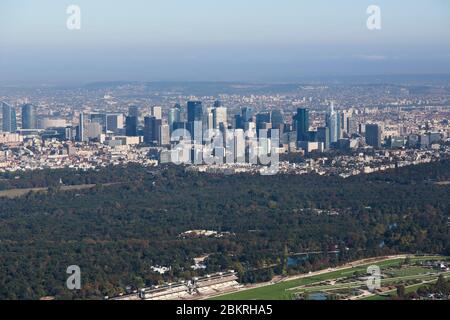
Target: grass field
<point>285,290</point>
<point>16,193</point>
<point>408,289</point>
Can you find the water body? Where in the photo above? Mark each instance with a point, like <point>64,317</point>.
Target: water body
<point>317,296</point>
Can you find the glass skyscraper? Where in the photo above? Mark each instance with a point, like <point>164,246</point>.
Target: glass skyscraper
<point>29,119</point>
<point>302,121</point>
<point>194,111</point>
<point>131,126</point>
<point>373,135</point>
<point>277,119</point>
<point>333,124</point>
<point>247,114</point>
<point>9,118</point>
<point>174,115</point>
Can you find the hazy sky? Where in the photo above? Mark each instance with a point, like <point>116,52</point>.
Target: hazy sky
<point>248,40</point>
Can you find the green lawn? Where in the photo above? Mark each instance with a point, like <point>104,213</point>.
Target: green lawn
<point>280,290</point>
<point>412,270</point>
<point>408,289</point>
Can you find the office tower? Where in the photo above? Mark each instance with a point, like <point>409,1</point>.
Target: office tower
<point>262,119</point>
<point>157,112</point>
<point>424,140</point>
<point>29,119</point>
<point>208,121</point>
<point>352,126</point>
<point>302,122</point>
<point>174,115</point>
<point>373,135</point>
<point>343,118</point>
<point>149,123</point>
<point>238,121</point>
<point>164,135</point>
<point>80,133</point>
<point>133,111</point>
<point>114,122</point>
<point>247,114</point>
<point>239,146</point>
<point>9,118</point>
<point>194,111</point>
<point>220,117</point>
<point>93,130</point>
<point>339,125</point>
<point>99,118</point>
<point>131,126</point>
<point>151,129</point>
<point>277,120</point>
<point>196,118</point>
<point>333,124</point>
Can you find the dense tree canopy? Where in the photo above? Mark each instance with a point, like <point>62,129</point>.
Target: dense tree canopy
<point>116,233</point>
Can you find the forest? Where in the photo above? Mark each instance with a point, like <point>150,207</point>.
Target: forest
<point>115,233</point>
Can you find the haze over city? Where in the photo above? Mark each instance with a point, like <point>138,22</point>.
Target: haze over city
<point>219,41</point>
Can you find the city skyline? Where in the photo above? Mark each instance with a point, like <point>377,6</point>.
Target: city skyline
<point>225,150</point>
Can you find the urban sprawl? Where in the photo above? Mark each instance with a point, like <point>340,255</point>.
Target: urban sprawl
<point>224,134</point>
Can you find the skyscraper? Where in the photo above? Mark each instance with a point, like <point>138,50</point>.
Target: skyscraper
<point>114,122</point>
<point>333,124</point>
<point>208,119</point>
<point>99,118</point>
<point>174,115</point>
<point>217,104</point>
<point>29,119</point>
<point>163,135</point>
<point>352,126</point>
<point>373,135</point>
<point>195,119</point>
<point>247,114</point>
<point>238,122</point>
<point>262,119</point>
<point>220,117</point>
<point>9,118</point>
<point>194,111</point>
<point>133,111</point>
<point>277,119</point>
<point>302,121</point>
<point>151,129</point>
<point>81,131</point>
<point>157,112</point>
<point>323,135</point>
<point>131,126</point>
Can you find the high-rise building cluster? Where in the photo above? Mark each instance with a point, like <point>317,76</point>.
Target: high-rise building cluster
<point>339,129</point>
